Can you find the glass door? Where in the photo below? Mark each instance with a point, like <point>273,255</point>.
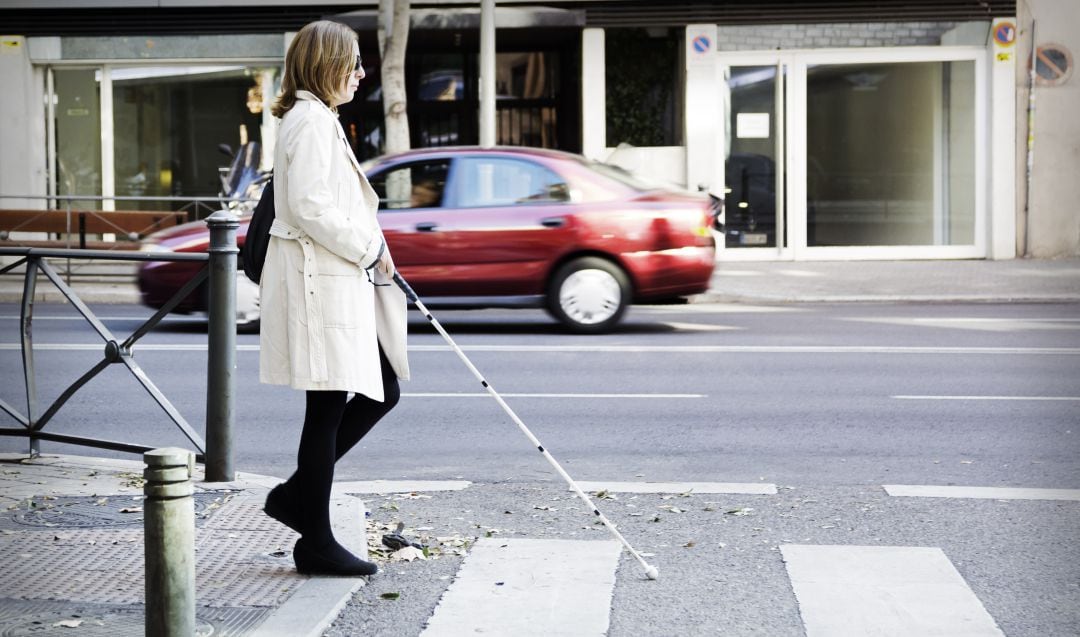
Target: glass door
<point>754,157</point>
<point>854,154</point>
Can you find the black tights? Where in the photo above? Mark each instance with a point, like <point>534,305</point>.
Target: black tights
<point>332,426</point>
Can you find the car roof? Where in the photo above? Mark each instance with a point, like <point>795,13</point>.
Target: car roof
<point>481,150</point>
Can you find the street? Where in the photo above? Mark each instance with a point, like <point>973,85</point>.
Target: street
<point>832,406</point>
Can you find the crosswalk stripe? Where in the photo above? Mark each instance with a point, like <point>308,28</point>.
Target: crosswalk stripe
<point>399,486</point>
<point>989,493</point>
<point>750,488</point>
<point>526,587</point>
<point>886,591</point>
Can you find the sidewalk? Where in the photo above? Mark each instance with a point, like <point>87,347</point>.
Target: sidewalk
<point>1014,280</point>
<point>71,551</point>
<point>1031,280</point>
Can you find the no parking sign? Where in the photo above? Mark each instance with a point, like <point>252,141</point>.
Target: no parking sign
<point>700,45</point>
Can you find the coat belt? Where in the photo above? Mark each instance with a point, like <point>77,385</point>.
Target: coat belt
<point>312,302</point>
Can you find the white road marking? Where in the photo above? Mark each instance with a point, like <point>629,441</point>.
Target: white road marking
<point>701,327</point>
<point>985,493</point>
<point>399,486</point>
<point>526,587</point>
<point>1051,398</point>
<point>884,591</point>
<point>978,323</point>
<point>716,308</point>
<point>751,488</point>
<point>520,395</point>
<point>625,349</point>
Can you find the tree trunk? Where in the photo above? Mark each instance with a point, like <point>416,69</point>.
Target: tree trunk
<point>393,38</point>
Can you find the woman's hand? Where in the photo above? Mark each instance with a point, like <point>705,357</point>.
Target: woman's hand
<point>386,264</point>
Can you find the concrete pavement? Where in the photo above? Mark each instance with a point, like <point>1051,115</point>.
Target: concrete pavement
<point>71,550</point>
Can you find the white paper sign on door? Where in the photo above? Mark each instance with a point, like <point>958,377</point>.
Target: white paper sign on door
<point>752,125</point>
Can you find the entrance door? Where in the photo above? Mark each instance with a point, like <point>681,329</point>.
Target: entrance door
<point>854,154</point>
<point>755,157</point>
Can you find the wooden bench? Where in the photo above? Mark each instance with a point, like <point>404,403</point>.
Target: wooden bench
<point>130,227</point>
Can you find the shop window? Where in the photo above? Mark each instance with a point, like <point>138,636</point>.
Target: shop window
<point>642,83</point>
<point>891,154</point>
<point>168,124</point>
<point>78,134</point>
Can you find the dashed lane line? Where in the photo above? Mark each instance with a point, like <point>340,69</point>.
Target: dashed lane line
<point>1032,398</point>
<point>988,493</point>
<point>522,395</point>
<point>887,591</point>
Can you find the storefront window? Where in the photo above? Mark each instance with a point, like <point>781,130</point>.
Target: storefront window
<point>169,121</point>
<point>891,154</point>
<point>642,76</point>
<point>78,134</point>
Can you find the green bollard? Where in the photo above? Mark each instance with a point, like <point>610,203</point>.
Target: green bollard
<point>169,525</point>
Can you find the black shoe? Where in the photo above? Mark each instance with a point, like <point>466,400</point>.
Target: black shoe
<point>331,559</point>
<point>282,507</point>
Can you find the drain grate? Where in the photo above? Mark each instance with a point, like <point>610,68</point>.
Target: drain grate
<point>19,618</point>
<point>71,512</point>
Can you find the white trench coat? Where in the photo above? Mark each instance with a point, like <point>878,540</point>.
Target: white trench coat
<point>324,307</point>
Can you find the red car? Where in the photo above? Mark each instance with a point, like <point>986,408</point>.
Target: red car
<point>510,227</point>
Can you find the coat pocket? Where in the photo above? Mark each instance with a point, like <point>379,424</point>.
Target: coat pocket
<point>345,300</point>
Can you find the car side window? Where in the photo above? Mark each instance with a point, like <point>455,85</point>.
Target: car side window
<point>412,186</point>
<point>490,181</point>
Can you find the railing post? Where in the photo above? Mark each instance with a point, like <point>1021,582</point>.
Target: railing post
<point>26,333</point>
<point>169,545</point>
<point>221,355</point>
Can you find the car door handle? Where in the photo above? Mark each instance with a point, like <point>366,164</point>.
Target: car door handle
<point>553,222</point>
<point>426,226</point>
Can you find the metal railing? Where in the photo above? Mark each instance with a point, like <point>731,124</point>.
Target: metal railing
<point>220,269</point>
<point>193,205</point>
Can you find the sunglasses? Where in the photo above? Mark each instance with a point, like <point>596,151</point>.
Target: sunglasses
<point>359,64</point>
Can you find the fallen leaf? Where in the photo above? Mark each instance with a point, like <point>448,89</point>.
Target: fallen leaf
<point>68,623</point>
<point>739,511</point>
<point>131,510</point>
<point>407,554</point>
<point>390,595</point>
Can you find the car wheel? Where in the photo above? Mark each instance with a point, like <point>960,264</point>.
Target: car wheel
<point>247,305</point>
<point>589,295</point>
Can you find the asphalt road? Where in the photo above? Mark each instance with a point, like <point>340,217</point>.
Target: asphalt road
<point>828,402</point>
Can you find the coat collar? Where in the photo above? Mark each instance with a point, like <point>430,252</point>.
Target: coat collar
<point>308,96</point>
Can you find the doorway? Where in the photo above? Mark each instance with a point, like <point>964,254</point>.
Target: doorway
<point>853,154</point>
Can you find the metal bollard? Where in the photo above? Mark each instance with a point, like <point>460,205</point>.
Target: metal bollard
<point>221,355</point>
<point>169,527</point>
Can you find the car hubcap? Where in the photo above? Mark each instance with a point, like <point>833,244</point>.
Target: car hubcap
<point>590,296</point>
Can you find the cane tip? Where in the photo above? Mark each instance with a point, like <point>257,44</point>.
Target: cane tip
<point>651,572</point>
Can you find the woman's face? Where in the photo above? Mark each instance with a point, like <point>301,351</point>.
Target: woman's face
<point>349,83</point>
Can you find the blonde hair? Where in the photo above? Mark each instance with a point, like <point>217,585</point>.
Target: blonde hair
<point>319,58</point>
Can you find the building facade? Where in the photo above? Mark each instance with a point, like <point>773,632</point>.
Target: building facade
<point>855,130</point>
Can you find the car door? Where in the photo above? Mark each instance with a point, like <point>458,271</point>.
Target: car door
<point>411,198</point>
<point>505,221</point>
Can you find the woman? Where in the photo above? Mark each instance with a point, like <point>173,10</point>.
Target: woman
<point>332,321</point>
